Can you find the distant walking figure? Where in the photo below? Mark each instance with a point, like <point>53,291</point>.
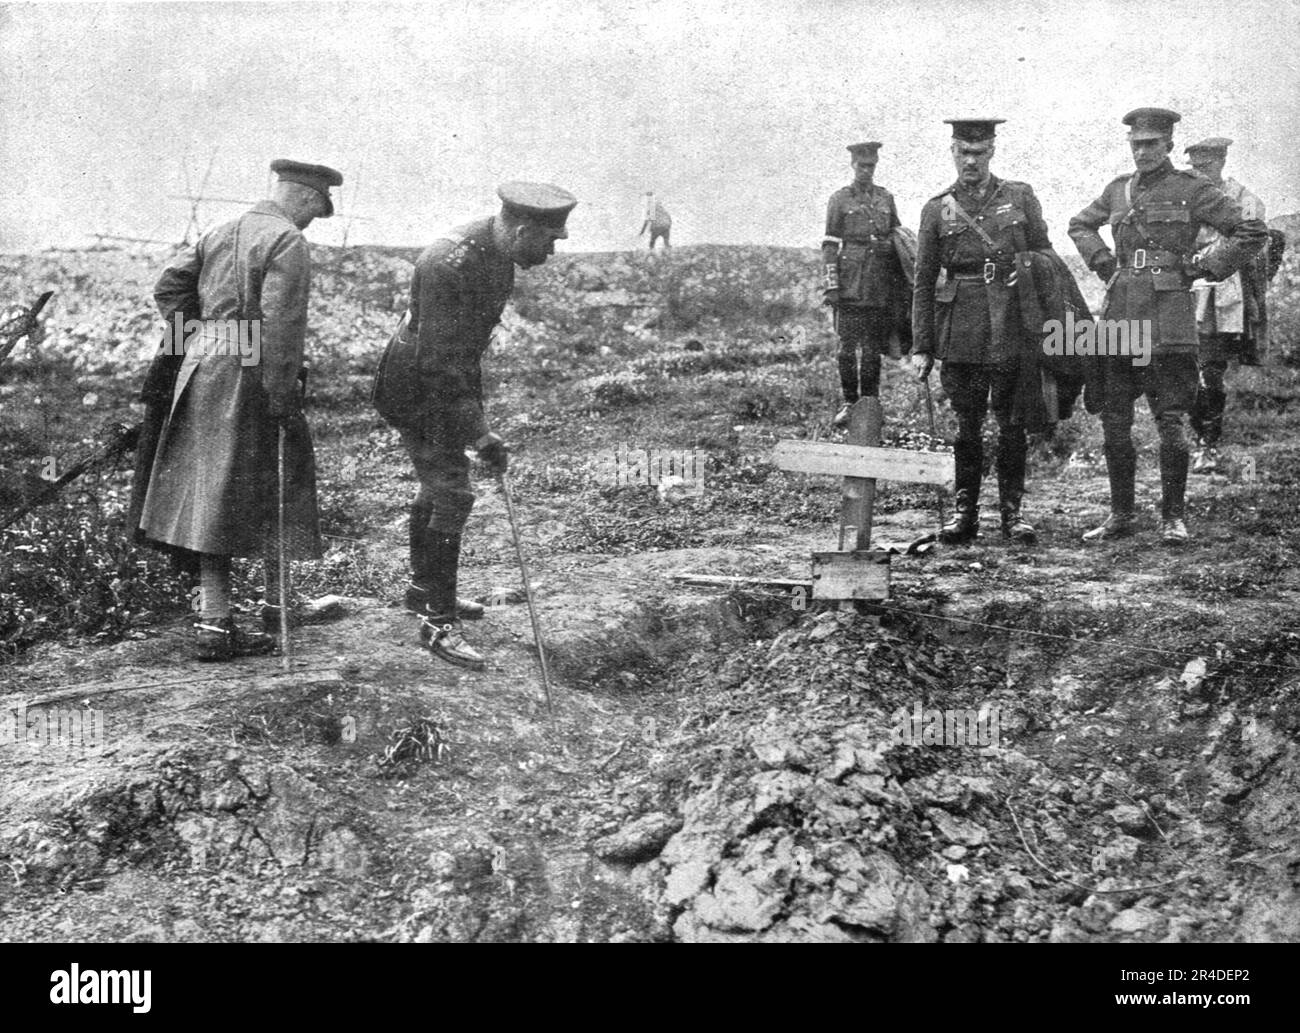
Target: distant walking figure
<point>657,221</point>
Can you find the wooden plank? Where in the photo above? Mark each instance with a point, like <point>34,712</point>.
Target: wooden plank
<point>245,679</point>
<point>851,575</point>
<point>757,582</point>
<point>859,493</point>
<point>847,460</point>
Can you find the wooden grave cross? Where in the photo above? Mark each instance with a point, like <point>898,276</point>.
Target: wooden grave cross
<point>856,570</point>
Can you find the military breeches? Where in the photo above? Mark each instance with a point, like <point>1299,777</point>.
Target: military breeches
<point>864,332</point>
<point>1211,398</point>
<point>974,388</point>
<point>1169,383</point>
<point>443,472</point>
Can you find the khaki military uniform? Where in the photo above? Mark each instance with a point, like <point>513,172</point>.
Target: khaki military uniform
<point>1155,219</point>
<point>859,245</point>
<point>429,384</point>
<point>966,311</point>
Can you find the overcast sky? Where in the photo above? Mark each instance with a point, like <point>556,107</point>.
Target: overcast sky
<point>736,114</point>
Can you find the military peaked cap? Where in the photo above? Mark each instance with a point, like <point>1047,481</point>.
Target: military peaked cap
<point>1151,123</point>
<point>869,148</point>
<point>319,177</point>
<point>542,203</point>
<point>1212,145</point>
<point>973,130</point>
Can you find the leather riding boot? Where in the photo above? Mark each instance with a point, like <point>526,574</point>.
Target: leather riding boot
<point>1121,468</point>
<point>964,526</point>
<point>424,563</point>
<point>440,630</point>
<point>1174,460</point>
<point>1011,487</point>
<point>438,590</point>
<point>417,593</point>
<point>1014,526</point>
<point>417,601</point>
<point>968,456</point>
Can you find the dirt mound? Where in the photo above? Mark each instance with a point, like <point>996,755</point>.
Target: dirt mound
<point>804,800</point>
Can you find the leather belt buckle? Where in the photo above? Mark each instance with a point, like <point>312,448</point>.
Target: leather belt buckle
<point>990,272</point>
<point>1140,258</point>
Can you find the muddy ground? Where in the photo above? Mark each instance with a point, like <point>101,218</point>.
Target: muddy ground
<point>719,764</point>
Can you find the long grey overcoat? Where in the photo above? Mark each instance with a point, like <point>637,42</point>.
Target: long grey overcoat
<point>212,487</point>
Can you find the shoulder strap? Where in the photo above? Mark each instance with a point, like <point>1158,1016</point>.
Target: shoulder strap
<point>1131,203</point>
<point>964,216</point>
<point>1128,211</point>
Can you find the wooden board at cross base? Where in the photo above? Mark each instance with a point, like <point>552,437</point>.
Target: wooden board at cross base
<point>861,574</point>
<point>856,571</point>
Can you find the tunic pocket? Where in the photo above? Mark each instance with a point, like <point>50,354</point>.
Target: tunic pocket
<point>1167,211</point>
<point>1000,221</point>
<point>854,259</point>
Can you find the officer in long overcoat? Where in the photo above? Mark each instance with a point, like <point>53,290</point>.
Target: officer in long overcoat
<point>212,488</point>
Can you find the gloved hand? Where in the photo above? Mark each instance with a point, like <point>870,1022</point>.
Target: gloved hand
<point>921,364</point>
<point>493,451</point>
<point>1105,267</point>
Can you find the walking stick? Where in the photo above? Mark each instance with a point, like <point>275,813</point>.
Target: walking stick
<point>286,646</point>
<point>528,591</point>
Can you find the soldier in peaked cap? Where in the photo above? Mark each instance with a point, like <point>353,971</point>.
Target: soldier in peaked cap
<point>1231,316</point>
<point>862,279</point>
<point>206,485</point>
<point>429,386</point>
<point>971,233</point>
<point>1155,215</point>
